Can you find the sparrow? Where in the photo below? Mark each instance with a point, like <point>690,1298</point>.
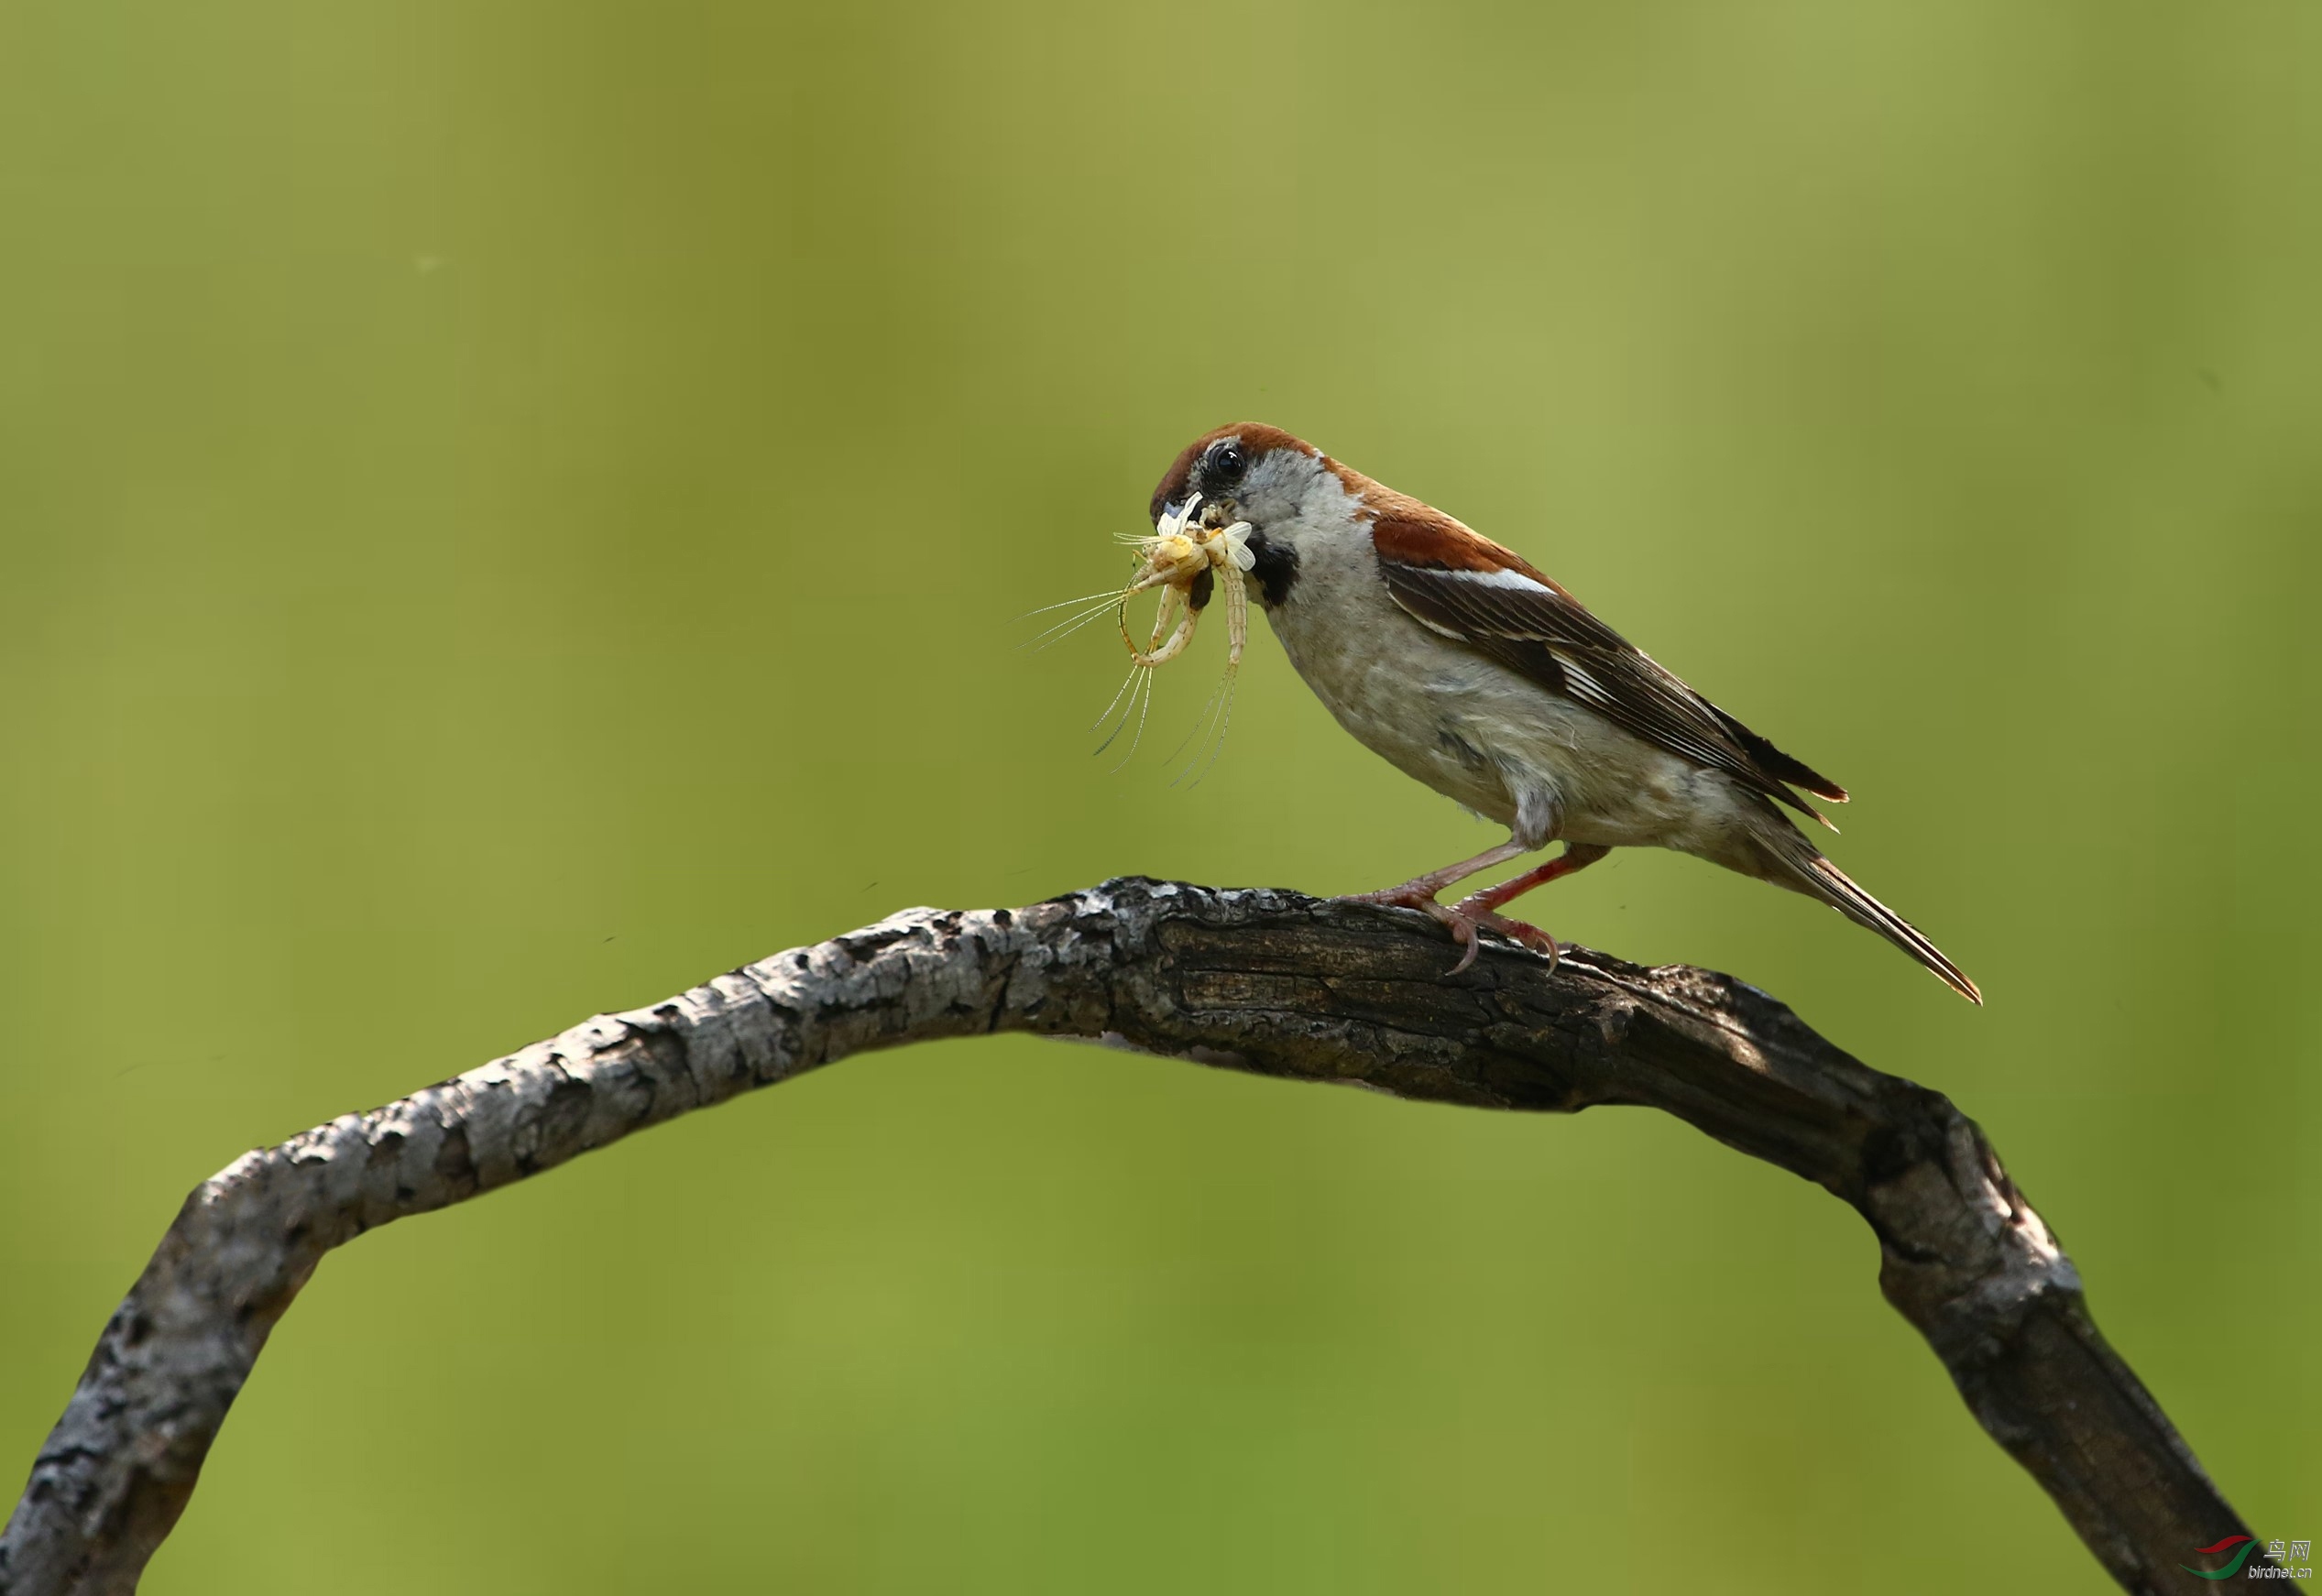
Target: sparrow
<point>1465,667</point>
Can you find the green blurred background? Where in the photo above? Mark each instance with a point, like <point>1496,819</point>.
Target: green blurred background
<point>509,510</point>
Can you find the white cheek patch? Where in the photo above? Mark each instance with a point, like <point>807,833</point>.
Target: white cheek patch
<point>1322,500</point>
<point>1514,579</point>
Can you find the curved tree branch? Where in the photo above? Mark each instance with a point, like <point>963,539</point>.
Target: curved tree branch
<point>1265,982</point>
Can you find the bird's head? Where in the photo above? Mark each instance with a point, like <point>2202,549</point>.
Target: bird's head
<point>1247,472</point>
<point>1257,474</point>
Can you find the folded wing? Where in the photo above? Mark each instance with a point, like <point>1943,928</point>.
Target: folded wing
<point>1465,586</point>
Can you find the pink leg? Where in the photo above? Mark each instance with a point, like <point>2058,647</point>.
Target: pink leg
<point>1482,908</point>
<point>1419,893</point>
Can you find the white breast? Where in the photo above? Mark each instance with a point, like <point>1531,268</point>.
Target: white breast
<point>1471,729</point>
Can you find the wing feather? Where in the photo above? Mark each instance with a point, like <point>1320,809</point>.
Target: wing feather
<point>1470,589</point>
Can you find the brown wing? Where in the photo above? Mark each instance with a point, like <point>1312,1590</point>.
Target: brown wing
<point>1515,615</point>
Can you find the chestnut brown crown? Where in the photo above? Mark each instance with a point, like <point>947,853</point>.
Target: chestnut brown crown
<point>1214,463</point>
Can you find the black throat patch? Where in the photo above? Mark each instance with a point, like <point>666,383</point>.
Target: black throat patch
<point>1277,570</point>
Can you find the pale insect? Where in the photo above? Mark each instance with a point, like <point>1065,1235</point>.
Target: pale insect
<point>1181,550</point>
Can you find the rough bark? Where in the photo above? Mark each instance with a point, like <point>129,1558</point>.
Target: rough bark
<point>1265,982</point>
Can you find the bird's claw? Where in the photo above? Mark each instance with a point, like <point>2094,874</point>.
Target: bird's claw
<point>1466,924</point>
<point>1465,920</point>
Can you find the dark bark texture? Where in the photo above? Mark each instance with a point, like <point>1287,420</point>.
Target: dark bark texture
<point>1265,982</point>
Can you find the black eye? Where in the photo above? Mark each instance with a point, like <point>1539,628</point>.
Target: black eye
<point>1227,463</point>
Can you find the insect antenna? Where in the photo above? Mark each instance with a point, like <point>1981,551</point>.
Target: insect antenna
<point>1070,625</point>
<point>1141,699</point>
<point>1199,720</point>
<point>1096,605</point>
<point>1226,685</point>
<point>1108,708</point>
<point>1107,596</point>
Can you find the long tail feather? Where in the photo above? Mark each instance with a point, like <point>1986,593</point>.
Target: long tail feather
<point>1840,892</point>
<point>1803,868</point>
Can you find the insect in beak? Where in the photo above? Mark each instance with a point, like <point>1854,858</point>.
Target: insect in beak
<point>1188,559</point>
<point>1192,554</point>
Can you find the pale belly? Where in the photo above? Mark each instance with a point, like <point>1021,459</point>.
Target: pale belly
<point>1507,748</point>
